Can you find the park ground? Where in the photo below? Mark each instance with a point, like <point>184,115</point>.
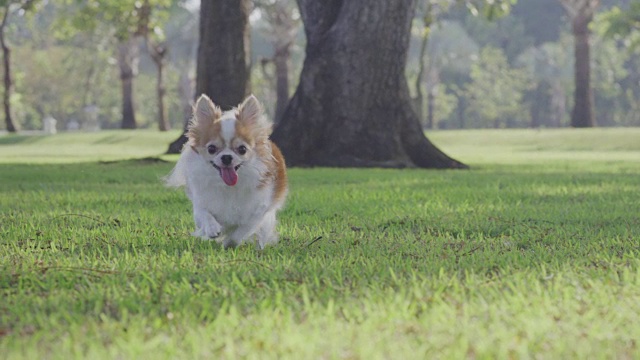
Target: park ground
<point>532,253</point>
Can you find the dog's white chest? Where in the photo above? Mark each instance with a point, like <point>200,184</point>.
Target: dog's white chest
<point>232,206</point>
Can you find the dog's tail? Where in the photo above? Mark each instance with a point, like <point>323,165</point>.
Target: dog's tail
<point>177,177</point>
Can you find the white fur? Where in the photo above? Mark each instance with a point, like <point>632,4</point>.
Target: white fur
<point>230,214</point>
<point>228,128</point>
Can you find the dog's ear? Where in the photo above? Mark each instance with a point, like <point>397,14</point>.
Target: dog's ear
<point>250,113</point>
<point>206,110</point>
<point>205,115</point>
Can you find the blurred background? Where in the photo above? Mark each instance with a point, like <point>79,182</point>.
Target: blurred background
<point>470,65</point>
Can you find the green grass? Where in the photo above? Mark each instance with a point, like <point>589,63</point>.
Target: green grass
<point>534,253</point>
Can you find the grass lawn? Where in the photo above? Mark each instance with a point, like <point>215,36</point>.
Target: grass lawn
<point>533,253</point>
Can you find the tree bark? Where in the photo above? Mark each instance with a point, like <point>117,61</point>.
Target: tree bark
<point>352,106</point>
<point>223,54</point>
<point>431,105</point>
<point>8,82</point>
<point>158,53</point>
<point>427,21</point>
<point>281,61</point>
<point>582,114</point>
<point>128,64</point>
<point>223,62</point>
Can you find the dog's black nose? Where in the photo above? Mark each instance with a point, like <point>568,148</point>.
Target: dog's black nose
<point>226,159</point>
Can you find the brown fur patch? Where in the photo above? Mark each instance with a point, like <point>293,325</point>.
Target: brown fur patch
<point>203,132</point>
<point>205,124</point>
<point>246,134</point>
<point>276,173</point>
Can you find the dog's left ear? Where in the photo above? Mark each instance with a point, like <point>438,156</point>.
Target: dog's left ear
<point>250,113</point>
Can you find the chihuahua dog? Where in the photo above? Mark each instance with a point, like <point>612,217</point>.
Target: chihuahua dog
<point>233,174</point>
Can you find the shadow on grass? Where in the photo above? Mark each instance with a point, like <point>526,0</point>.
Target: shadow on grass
<point>150,160</point>
<point>113,139</point>
<point>20,139</point>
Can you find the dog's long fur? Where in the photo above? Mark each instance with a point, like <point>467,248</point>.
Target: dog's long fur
<point>234,175</point>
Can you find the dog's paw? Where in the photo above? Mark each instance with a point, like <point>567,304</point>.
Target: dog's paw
<point>212,230</point>
<point>208,232</point>
<point>230,244</point>
<point>198,233</point>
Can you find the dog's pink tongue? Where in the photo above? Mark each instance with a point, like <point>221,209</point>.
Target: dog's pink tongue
<point>229,175</point>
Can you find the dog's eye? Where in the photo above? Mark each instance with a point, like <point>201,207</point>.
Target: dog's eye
<point>212,149</point>
<point>242,149</point>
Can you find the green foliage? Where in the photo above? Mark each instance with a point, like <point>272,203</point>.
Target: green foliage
<point>622,23</point>
<point>490,9</point>
<point>23,5</point>
<point>496,90</point>
<point>503,261</point>
<point>123,18</point>
<point>507,33</point>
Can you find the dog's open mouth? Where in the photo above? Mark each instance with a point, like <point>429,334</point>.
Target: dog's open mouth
<point>229,174</point>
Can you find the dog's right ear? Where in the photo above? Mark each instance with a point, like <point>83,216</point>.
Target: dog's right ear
<point>206,110</point>
<point>205,114</point>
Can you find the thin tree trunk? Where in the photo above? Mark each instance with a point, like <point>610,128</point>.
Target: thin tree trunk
<point>128,63</point>
<point>163,124</point>
<point>281,60</point>
<point>583,112</point>
<point>352,106</point>
<point>185,89</point>
<point>8,83</point>
<point>223,62</point>
<point>158,53</point>
<point>431,99</point>
<point>427,21</point>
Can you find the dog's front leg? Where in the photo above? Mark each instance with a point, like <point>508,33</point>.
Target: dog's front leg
<point>207,226</point>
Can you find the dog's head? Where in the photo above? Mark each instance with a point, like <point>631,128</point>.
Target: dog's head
<point>228,140</point>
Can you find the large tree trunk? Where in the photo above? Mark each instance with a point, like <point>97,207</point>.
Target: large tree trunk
<point>8,83</point>
<point>352,106</point>
<point>128,58</point>
<point>223,66</point>
<point>582,114</point>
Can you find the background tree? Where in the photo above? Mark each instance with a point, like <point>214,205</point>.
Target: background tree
<point>158,50</point>
<point>223,60</point>
<point>551,69</point>
<point>581,14</point>
<point>496,91</point>
<point>127,21</point>
<point>282,27</point>
<point>623,23</point>
<point>7,7</point>
<point>352,106</point>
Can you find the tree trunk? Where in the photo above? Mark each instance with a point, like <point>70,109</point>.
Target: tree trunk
<point>352,106</point>
<point>281,61</point>
<point>186,101</point>
<point>128,64</point>
<point>582,114</point>
<point>558,104</point>
<point>427,21</point>
<point>163,124</point>
<point>431,105</point>
<point>223,55</point>
<point>8,82</point>
<point>158,53</point>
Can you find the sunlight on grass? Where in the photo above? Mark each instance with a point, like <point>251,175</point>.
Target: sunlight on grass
<point>105,145</point>
<point>525,146</point>
<point>512,259</point>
